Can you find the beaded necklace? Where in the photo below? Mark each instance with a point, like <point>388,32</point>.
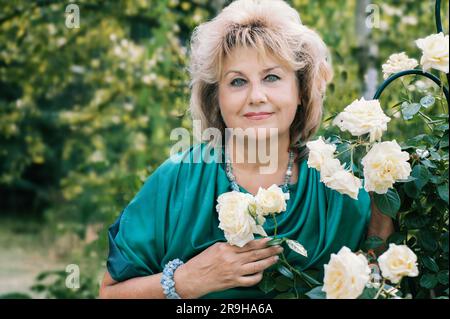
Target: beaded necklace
<point>235,186</point>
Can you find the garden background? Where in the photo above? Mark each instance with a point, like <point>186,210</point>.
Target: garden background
<point>86,113</point>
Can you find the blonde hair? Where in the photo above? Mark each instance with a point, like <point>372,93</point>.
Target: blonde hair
<point>271,27</point>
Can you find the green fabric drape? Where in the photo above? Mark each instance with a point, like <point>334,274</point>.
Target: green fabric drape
<point>174,216</point>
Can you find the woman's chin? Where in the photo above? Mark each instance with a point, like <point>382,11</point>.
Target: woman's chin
<point>257,132</point>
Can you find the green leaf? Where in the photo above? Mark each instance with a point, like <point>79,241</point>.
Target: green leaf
<point>15,295</point>
<point>297,247</point>
<point>316,293</point>
<point>417,140</point>
<point>408,147</point>
<point>427,241</point>
<point>331,117</point>
<point>409,179</point>
<point>285,295</point>
<point>38,288</point>
<point>368,293</point>
<point>415,221</point>
<point>344,153</point>
<point>411,190</point>
<point>276,241</point>
<point>359,153</point>
<point>397,238</point>
<point>422,176</point>
<point>285,271</point>
<point>444,141</point>
<point>444,242</point>
<point>428,163</point>
<point>441,128</point>
<point>428,281</point>
<point>430,263</point>
<point>388,203</point>
<point>427,101</point>
<point>431,140</point>
<point>43,275</point>
<point>373,242</point>
<point>267,284</point>
<point>315,273</point>
<point>439,116</point>
<point>332,139</point>
<point>442,277</point>
<point>283,283</point>
<point>435,156</point>
<point>310,279</point>
<point>409,110</point>
<point>443,192</point>
<point>436,179</point>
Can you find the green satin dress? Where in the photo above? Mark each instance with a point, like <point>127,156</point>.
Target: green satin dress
<point>174,216</point>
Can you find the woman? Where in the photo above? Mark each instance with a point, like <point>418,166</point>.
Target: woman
<point>253,67</point>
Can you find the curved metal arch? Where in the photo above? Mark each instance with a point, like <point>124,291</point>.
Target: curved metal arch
<point>394,77</point>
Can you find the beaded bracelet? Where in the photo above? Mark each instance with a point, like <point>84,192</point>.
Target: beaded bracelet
<point>167,282</point>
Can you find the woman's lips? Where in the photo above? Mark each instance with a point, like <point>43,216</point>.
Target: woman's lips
<point>258,115</point>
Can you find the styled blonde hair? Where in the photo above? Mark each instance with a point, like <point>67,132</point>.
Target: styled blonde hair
<point>271,27</point>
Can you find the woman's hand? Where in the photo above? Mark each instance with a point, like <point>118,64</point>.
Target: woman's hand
<point>223,266</point>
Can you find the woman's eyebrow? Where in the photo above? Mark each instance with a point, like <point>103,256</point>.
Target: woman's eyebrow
<point>263,71</point>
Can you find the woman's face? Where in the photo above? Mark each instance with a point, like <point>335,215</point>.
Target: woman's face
<point>257,94</point>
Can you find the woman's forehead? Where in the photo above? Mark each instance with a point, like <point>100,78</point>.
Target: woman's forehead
<point>241,59</point>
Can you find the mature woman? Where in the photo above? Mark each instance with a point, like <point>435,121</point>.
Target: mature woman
<point>254,67</point>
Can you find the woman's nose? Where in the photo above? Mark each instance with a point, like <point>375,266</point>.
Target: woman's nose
<point>257,95</point>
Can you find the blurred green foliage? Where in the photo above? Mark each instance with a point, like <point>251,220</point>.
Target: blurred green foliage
<point>86,113</point>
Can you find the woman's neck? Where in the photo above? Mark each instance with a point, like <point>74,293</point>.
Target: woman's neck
<point>259,156</point>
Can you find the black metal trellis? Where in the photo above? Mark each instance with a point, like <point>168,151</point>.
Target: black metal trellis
<point>395,76</point>
<point>437,13</point>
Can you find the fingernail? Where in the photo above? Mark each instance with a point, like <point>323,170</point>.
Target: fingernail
<point>277,258</point>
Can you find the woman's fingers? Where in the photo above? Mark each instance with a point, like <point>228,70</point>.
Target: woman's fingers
<point>258,266</point>
<point>259,254</point>
<point>254,244</point>
<point>248,281</point>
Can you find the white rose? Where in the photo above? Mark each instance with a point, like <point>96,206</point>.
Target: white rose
<point>435,52</point>
<point>362,117</point>
<point>319,152</point>
<point>271,200</point>
<point>344,182</point>
<point>383,165</point>
<point>346,275</point>
<point>329,167</point>
<point>398,62</point>
<point>235,218</point>
<point>397,262</point>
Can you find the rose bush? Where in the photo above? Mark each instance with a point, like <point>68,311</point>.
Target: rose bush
<point>408,181</point>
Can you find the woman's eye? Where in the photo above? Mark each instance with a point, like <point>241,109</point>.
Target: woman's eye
<point>237,82</point>
<point>240,82</point>
<point>272,77</point>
